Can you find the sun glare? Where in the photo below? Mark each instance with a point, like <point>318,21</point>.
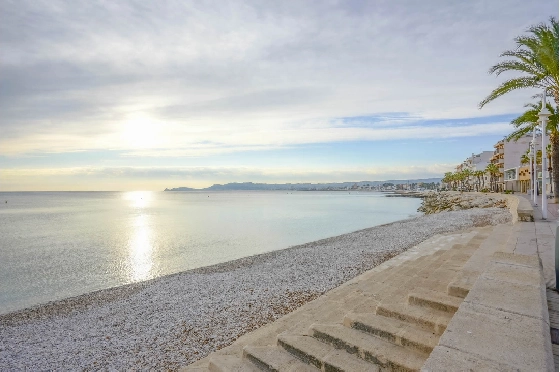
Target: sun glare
<point>140,133</point>
<point>138,199</point>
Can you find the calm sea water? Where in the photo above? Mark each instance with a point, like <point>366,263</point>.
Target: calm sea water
<point>55,245</point>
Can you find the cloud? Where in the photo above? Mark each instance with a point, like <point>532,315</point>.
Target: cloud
<point>204,80</point>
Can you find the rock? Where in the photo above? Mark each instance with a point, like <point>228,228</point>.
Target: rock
<point>440,202</point>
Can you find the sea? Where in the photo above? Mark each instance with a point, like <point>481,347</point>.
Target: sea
<point>55,245</point>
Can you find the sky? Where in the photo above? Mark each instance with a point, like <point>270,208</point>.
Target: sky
<point>139,95</point>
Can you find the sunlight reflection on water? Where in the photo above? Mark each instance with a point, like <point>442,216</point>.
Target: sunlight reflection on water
<point>141,242</point>
<point>140,250</point>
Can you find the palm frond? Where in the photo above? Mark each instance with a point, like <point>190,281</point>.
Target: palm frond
<point>535,57</point>
<point>508,86</point>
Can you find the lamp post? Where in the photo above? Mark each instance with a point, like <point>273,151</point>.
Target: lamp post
<point>532,155</point>
<point>543,117</point>
<point>533,171</point>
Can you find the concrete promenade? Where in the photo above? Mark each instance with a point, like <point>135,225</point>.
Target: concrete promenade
<point>545,231</point>
<point>472,300</point>
<point>510,316</point>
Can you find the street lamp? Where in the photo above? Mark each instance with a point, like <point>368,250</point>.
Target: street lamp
<point>543,117</point>
<point>533,168</point>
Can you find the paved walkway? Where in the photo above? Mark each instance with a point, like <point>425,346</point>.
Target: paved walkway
<point>552,208</point>
<point>546,231</point>
<point>552,300</point>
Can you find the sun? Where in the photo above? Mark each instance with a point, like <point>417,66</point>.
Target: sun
<point>140,133</point>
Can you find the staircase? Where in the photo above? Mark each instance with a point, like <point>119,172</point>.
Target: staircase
<point>412,304</point>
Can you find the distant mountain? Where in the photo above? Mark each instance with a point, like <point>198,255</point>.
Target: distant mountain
<point>301,186</point>
<point>180,189</point>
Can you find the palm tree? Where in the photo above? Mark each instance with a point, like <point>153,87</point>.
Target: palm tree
<point>494,171</point>
<point>479,175</point>
<point>466,175</point>
<point>455,178</point>
<point>536,58</point>
<point>538,157</point>
<point>447,178</point>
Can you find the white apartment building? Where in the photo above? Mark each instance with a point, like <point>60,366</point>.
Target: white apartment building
<point>508,158</point>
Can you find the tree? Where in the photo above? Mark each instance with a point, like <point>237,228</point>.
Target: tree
<point>479,175</point>
<point>465,178</point>
<point>447,179</point>
<point>494,171</point>
<point>536,58</point>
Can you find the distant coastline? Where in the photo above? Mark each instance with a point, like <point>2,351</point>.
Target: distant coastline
<point>330,186</point>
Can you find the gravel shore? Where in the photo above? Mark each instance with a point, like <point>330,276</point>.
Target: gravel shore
<point>175,320</point>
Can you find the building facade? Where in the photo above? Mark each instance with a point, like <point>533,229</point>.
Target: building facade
<point>516,176</point>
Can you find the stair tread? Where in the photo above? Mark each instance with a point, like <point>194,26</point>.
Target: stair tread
<point>431,318</point>
<point>230,363</point>
<point>370,348</point>
<point>462,283</point>
<point>323,355</point>
<point>438,300</point>
<point>394,330</point>
<point>274,358</point>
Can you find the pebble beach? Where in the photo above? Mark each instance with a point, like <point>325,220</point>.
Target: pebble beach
<point>172,321</point>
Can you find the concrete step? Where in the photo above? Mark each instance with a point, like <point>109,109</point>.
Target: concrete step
<point>322,355</point>
<point>394,331</point>
<point>431,320</point>
<point>230,363</point>
<point>443,262</point>
<point>434,300</point>
<point>388,356</point>
<point>402,275</point>
<point>461,285</point>
<point>406,268</point>
<point>273,358</point>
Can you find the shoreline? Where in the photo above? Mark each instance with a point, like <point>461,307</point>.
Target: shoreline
<point>172,321</point>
